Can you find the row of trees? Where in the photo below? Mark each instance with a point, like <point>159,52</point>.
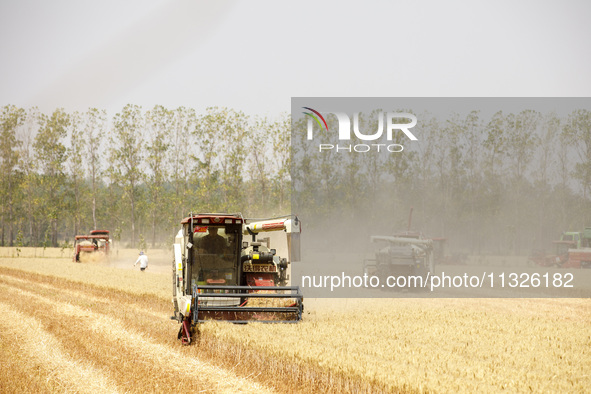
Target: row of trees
<point>508,183</point>
<point>137,173</point>
<point>505,183</point>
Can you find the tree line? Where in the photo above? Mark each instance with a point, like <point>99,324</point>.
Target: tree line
<point>137,173</point>
<point>506,183</point>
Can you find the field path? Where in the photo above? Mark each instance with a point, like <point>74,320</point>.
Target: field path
<point>58,335</point>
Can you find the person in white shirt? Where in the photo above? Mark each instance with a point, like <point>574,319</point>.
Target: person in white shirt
<point>143,260</point>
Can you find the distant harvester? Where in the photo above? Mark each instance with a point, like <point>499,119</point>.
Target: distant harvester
<point>97,241</point>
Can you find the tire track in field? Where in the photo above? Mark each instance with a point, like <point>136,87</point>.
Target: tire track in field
<point>146,313</point>
<point>133,359</point>
<point>129,308</point>
<point>43,350</point>
<point>80,297</point>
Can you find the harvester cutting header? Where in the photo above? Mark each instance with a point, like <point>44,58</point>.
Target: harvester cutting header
<point>222,271</point>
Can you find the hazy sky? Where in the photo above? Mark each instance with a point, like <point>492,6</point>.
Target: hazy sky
<point>255,55</point>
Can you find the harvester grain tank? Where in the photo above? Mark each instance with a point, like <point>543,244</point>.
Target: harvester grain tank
<point>222,271</point>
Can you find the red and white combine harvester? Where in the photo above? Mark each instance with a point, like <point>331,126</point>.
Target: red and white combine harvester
<point>97,242</point>
<point>219,275</point>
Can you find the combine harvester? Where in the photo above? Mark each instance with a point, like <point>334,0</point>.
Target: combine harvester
<point>97,242</point>
<point>218,275</point>
<point>406,253</point>
<point>403,255</point>
<point>573,250</point>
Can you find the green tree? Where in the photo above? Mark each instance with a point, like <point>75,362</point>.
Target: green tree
<point>469,194</point>
<point>494,167</point>
<point>160,121</point>
<point>543,174</point>
<point>423,166</point>
<point>522,140</point>
<point>127,155</point>
<point>266,158</point>
<point>182,160</point>
<point>562,189</point>
<point>374,166</point>
<point>280,135</point>
<point>76,169</point>
<point>51,155</point>
<point>12,117</point>
<point>234,136</point>
<point>209,148</point>
<point>577,131</point>
<point>447,161</point>
<point>522,143</point>
<point>495,144</point>
<point>94,132</point>
<point>31,206</point>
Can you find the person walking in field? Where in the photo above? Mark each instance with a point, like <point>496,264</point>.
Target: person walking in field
<point>143,260</point>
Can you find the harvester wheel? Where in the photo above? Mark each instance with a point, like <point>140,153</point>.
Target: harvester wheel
<point>185,332</point>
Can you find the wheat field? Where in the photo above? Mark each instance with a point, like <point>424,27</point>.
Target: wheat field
<point>92,327</point>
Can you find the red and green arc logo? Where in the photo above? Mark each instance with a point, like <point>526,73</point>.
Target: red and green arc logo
<point>316,116</point>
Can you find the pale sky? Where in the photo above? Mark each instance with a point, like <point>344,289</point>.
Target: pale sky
<point>255,55</point>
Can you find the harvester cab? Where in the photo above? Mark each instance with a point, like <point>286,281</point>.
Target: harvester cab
<point>222,271</point>
<point>572,236</point>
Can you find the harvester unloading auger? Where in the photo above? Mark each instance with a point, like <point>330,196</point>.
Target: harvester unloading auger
<point>219,276</point>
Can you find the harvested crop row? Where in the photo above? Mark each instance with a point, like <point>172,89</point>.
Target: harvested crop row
<point>37,350</point>
<point>150,316</point>
<point>127,356</point>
